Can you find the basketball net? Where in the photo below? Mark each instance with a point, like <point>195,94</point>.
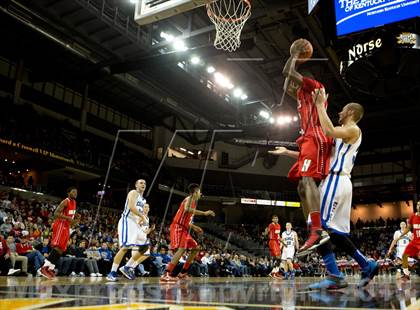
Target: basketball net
<point>229,17</point>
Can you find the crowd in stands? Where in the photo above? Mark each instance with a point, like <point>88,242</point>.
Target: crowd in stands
<point>25,233</point>
<point>21,123</point>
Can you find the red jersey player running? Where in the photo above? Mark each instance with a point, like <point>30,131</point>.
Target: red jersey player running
<point>413,248</point>
<point>274,244</point>
<point>64,219</point>
<point>181,239</point>
<point>315,147</point>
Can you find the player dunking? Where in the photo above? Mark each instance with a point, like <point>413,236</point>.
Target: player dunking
<point>130,233</point>
<point>63,220</point>
<point>274,244</point>
<point>181,239</point>
<point>312,163</point>
<point>290,239</point>
<point>336,193</point>
<point>413,248</point>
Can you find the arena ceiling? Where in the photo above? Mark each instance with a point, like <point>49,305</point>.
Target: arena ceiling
<point>132,69</point>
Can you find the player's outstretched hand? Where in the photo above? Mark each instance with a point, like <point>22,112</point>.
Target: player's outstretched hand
<point>210,213</point>
<point>280,150</point>
<point>319,96</point>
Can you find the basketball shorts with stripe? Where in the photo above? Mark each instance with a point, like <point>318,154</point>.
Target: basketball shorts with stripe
<point>336,199</point>
<point>130,234</point>
<point>60,235</point>
<point>314,158</point>
<point>288,253</point>
<point>400,251</point>
<point>274,246</point>
<point>180,238</point>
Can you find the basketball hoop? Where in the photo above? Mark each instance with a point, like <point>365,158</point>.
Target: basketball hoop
<point>229,17</point>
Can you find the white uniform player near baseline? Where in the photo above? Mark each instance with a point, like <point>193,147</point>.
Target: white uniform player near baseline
<point>402,243</point>
<point>290,245</point>
<point>130,234</point>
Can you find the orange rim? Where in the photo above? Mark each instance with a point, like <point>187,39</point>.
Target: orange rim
<point>231,20</point>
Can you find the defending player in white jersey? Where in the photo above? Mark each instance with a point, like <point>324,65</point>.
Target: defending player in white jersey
<point>291,244</point>
<point>130,234</point>
<point>336,193</point>
<point>403,242</point>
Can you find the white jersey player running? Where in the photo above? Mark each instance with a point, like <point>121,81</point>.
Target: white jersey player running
<point>130,234</point>
<point>402,243</point>
<point>290,245</point>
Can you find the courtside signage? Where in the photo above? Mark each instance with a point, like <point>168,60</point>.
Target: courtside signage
<point>266,202</point>
<point>355,15</point>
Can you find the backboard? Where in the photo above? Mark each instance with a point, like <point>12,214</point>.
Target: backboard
<point>149,11</point>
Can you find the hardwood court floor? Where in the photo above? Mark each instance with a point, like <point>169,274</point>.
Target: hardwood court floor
<point>385,292</point>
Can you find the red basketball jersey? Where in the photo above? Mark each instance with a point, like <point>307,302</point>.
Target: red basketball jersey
<point>414,221</point>
<point>309,120</point>
<point>274,231</point>
<point>69,210</point>
<point>184,218</point>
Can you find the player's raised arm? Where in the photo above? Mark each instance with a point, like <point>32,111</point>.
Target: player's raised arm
<point>343,132</point>
<point>289,70</point>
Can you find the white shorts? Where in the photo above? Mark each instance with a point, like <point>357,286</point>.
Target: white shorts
<point>130,234</point>
<point>288,253</point>
<point>400,251</point>
<point>336,195</point>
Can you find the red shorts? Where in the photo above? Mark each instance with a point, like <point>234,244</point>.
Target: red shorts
<point>413,249</point>
<point>60,235</point>
<point>180,238</point>
<point>274,246</point>
<point>314,157</point>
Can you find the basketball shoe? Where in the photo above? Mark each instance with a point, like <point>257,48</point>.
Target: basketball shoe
<point>167,278</point>
<point>331,282</point>
<point>368,273</point>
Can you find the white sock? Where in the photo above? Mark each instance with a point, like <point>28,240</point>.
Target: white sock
<point>114,267</point>
<point>135,264</point>
<point>47,263</point>
<point>130,263</point>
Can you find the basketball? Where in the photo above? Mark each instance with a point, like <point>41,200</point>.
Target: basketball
<point>306,48</point>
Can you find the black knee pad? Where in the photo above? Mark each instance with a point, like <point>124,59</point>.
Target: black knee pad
<point>325,248</point>
<point>54,256</point>
<point>343,243</point>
